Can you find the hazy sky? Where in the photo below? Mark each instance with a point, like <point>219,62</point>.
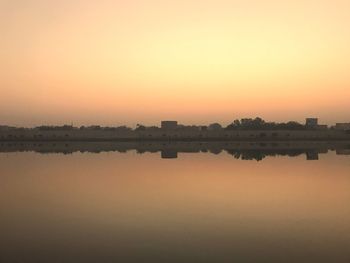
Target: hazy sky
<point>114,62</point>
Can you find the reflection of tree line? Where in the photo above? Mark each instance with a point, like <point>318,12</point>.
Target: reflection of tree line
<point>261,154</point>
<point>257,155</point>
<point>243,151</point>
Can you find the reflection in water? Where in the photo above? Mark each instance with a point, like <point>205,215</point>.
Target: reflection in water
<point>169,150</point>
<point>127,207</point>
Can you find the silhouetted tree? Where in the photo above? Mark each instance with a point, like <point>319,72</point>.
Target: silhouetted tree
<point>140,127</point>
<point>260,124</point>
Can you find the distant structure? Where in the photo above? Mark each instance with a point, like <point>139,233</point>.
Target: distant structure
<point>169,130</point>
<point>311,122</point>
<point>342,126</point>
<point>214,127</point>
<point>169,125</point>
<point>5,128</point>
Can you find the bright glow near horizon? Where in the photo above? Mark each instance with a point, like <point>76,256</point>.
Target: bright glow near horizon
<point>115,62</point>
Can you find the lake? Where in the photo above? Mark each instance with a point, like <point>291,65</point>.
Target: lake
<point>198,207</point>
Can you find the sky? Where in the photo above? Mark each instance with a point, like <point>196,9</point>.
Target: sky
<point>137,61</point>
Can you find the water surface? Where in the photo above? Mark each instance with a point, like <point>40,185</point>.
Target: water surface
<point>199,207</point>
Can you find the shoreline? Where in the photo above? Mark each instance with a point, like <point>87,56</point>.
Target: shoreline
<point>170,149</point>
<point>211,139</point>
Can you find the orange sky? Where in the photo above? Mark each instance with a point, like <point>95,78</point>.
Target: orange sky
<point>115,62</point>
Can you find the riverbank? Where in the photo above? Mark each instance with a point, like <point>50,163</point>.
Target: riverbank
<point>172,135</point>
<point>245,150</point>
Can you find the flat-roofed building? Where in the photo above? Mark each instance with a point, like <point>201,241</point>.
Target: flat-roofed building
<point>311,122</point>
<point>169,125</point>
<point>342,126</point>
<point>322,127</point>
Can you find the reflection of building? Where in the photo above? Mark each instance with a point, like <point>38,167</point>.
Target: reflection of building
<point>169,154</point>
<point>343,152</point>
<point>311,156</point>
<point>311,122</point>
<point>343,126</point>
<point>169,125</point>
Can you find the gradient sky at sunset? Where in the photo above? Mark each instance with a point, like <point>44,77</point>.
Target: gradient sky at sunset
<point>115,62</point>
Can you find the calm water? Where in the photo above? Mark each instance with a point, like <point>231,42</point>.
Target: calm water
<point>200,207</point>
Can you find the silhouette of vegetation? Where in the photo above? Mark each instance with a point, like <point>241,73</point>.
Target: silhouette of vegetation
<point>55,128</point>
<point>259,130</point>
<point>260,124</point>
<point>140,127</point>
<point>258,155</point>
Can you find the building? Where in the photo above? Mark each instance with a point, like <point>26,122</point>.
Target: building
<point>169,125</point>
<point>214,127</point>
<point>311,122</point>
<point>342,126</point>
